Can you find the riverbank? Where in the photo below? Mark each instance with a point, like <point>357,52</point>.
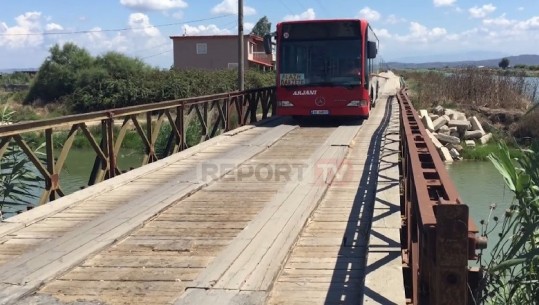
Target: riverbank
<point>502,104</point>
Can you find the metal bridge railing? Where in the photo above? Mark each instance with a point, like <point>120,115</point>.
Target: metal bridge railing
<point>437,237</point>
<point>213,113</point>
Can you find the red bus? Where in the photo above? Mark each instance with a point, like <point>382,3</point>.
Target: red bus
<point>324,67</point>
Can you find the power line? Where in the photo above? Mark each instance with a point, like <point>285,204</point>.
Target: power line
<point>113,30</point>
<point>150,48</point>
<point>322,6</point>
<point>287,7</point>
<point>301,5</point>
<point>156,54</point>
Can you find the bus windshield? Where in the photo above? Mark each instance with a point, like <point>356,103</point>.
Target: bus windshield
<point>334,62</point>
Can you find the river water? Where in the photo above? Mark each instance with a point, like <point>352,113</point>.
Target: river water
<point>480,185</point>
<point>76,173</point>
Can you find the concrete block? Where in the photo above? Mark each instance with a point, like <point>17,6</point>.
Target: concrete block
<point>433,116</point>
<point>439,122</point>
<point>462,125</point>
<point>444,130</point>
<point>447,139</point>
<point>473,134</point>
<point>455,134</point>
<point>454,154</point>
<point>423,113</point>
<point>457,115</point>
<point>449,112</point>
<point>476,125</point>
<point>434,140</point>
<point>469,143</point>
<point>438,110</point>
<point>458,147</point>
<point>460,116</point>
<point>427,122</point>
<point>445,154</point>
<point>486,138</point>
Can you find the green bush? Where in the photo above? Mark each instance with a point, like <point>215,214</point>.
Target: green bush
<point>59,73</point>
<point>511,275</point>
<point>84,83</point>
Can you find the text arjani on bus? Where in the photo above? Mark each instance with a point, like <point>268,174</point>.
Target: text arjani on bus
<point>304,92</point>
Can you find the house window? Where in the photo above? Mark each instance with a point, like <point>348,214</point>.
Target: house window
<point>232,65</point>
<point>202,48</point>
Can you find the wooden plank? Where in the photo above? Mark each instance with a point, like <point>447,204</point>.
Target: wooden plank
<point>131,274</point>
<point>346,136</point>
<point>68,287</point>
<point>307,277</point>
<point>263,243</point>
<point>219,266</point>
<point>7,228</point>
<point>133,299</point>
<point>149,261</point>
<point>60,204</point>
<point>255,257</point>
<point>221,297</point>
<point>59,255</point>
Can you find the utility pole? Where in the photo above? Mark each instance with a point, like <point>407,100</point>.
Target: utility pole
<point>241,53</point>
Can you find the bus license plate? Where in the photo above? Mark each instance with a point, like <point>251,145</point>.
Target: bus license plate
<point>319,111</point>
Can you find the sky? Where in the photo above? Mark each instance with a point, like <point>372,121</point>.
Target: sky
<point>411,31</point>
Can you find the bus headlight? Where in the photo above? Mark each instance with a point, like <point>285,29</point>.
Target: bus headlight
<point>357,104</point>
<point>284,104</point>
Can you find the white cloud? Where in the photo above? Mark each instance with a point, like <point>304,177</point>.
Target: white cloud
<point>309,14</point>
<point>438,3</point>
<point>420,33</point>
<point>248,27</point>
<point>210,29</point>
<point>97,41</point>
<point>143,37</point>
<point>392,19</point>
<point>154,5</point>
<point>53,27</point>
<point>481,12</point>
<point>178,15</point>
<point>26,32</point>
<point>140,23</point>
<point>527,25</point>
<point>382,33</point>
<point>498,21</point>
<point>231,7</point>
<point>369,14</point>
<point>30,50</point>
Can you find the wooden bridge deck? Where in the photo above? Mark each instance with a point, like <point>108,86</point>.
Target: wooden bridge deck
<point>223,223</point>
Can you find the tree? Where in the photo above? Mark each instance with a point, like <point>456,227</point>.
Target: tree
<point>262,27</point>
<point>504,63</point>
<point>59,72</point>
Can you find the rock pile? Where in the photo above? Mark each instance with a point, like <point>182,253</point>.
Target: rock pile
<point>448,128</point>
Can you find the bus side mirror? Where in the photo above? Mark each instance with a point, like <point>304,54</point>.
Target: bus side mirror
<point>267,44</point>
<point>372,50</point>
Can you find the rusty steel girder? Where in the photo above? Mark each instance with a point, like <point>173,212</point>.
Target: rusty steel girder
<point>437,235</point>
<point>214,113</point>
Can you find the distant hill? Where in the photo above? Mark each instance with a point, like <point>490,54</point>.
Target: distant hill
<point>9,71</point>
<point>513,60</point>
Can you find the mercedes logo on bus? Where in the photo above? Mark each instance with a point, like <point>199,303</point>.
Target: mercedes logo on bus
<point>320,101</point>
